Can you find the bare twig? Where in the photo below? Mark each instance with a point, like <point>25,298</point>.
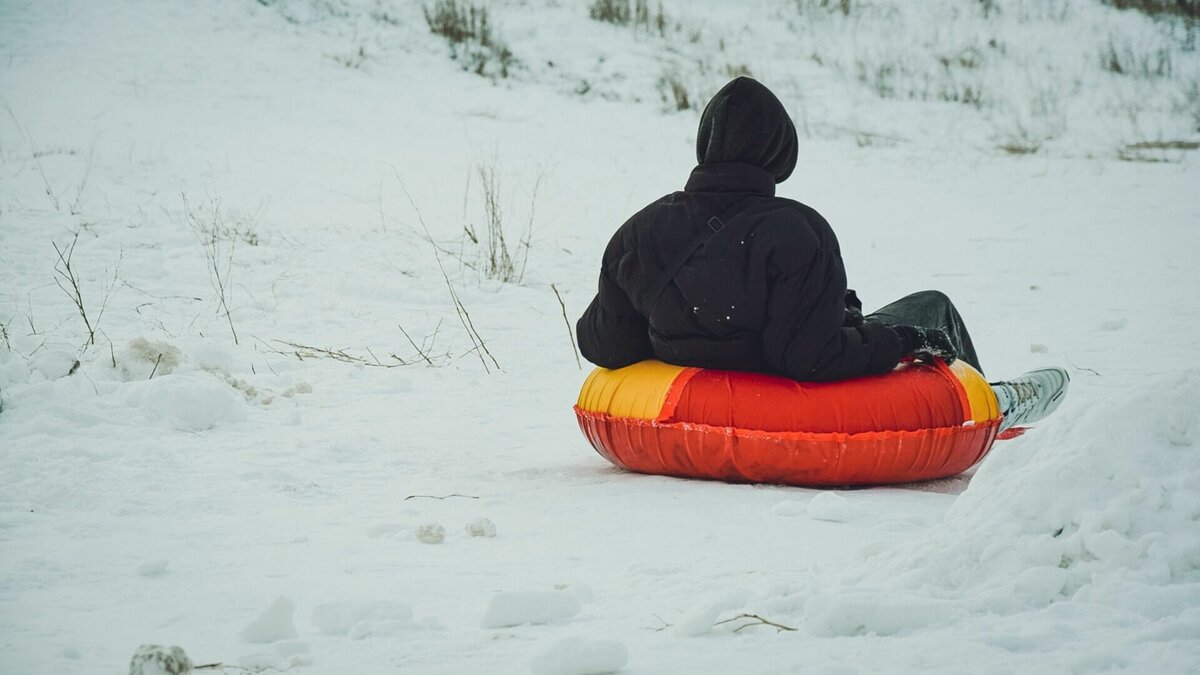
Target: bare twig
<point>466,194</point>
<point>376,358</point>
<point>457,255</point>
<point>464,314</point>
<point>464,317</point>
<point>527,240</point>
<point>499,263</point>
<point>382,217</point>
<point>66,280</point>
<point>87,172</point>
<point>430,340</point>
<point>439,498</point>
<point>224,667</point>
<point>301,352</point>
<point>755,620</point>
<point>29,312</point>
<point>155,369</point>
<point>210,237</point>
<point>37,160</point>
<point>112,283</point>
<point>1078,367</point>
<point>664,625</point>
<point>570,333</point>
<point>414,345</point>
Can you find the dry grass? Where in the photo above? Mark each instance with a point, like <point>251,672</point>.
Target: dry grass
<point>67,279</point>
<point>625,13</point>
<point>673,92</point>
<point>499,258</point>
<point>473,42</point>
<point>1185,8</point>
<point>219,248</point>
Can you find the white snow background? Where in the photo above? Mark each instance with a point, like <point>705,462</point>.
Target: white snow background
<point>268,505</point>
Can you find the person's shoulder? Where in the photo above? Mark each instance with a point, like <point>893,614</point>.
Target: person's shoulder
<point>787,219</point>
<point>794,232</point>
<point>794,209</point>
<point>664,202</point>
<point>649,216</point>
<point>795,213</point>
<point>625,239</point>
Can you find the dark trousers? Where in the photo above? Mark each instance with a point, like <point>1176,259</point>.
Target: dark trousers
<point>930,309</point>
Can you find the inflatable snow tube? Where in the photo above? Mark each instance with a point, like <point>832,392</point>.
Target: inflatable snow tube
<point>919,422</point>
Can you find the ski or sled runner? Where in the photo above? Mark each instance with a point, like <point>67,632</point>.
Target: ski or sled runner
<point>919,422</point>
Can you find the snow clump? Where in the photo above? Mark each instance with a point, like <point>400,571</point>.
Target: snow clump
<point>431,533</point>
<point>52,364</point>
<point>153,568</point>
<point>515,608</point>
<point>1097,510</point>
<point>702,616</point>
<point>481,527</point>
<point>579,656</point>
<point>193,401</point>
<point>142,358</point>
<point>273,625</point>
<point>790,507</point>
<point>830,506</point>
<point>360,619</point>
<point>160,660</point>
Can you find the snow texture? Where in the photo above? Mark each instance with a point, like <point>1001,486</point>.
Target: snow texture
<point>1035,160</point>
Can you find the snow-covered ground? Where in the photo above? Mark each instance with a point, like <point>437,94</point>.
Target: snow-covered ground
<point>264,504</point>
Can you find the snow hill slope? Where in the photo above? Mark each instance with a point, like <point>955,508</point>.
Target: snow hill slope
<point>1071,77</point>
<point>284,480</point>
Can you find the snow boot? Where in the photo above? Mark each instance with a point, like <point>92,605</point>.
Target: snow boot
<point>1030,397</point>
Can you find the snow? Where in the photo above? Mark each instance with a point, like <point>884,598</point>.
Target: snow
<point>360,619</point>
<point>431,533</point>
<point>703,615</point>
<point>513,608</point>
<point>581,656</point>
<point>153,568</point>
<point>160,660</point>
<point>175,481</point>
<point>481,527</point>
<point>273,625</point>
<point>188,402</point>
<point>830,506</point>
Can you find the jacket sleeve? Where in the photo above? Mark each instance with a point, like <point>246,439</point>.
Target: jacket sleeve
<point>612,334</point>
<point>804,336</point>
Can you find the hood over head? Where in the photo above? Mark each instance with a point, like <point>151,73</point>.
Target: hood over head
<point>744,122</point>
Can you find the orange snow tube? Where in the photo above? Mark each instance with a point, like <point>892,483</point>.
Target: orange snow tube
<point>918,422</point>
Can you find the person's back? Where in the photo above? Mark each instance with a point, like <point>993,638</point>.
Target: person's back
<point>725,274</point>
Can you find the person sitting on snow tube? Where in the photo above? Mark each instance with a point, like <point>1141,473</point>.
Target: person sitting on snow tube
<point>726,275</point>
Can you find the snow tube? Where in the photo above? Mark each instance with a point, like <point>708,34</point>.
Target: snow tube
<point>917,423</point>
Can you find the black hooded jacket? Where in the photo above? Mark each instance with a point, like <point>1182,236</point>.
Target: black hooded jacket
<point>725,274</point>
